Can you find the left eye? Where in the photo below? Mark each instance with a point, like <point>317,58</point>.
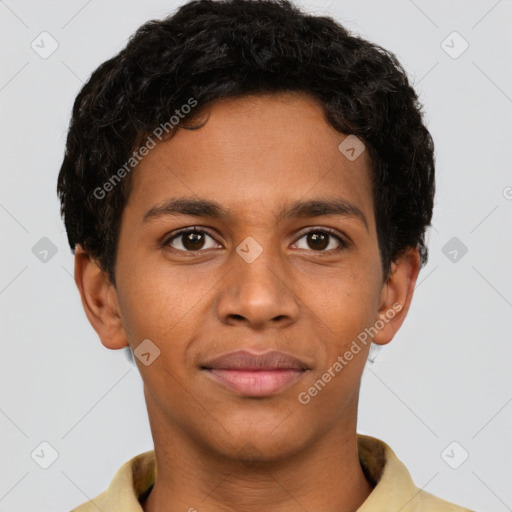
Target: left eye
<point>320,240</point>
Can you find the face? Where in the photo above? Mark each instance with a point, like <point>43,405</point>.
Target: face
<point>284,257</point>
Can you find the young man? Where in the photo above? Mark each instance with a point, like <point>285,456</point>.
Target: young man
<point>246,189</point>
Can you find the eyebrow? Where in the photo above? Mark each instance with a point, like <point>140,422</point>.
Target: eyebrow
<point>212,209</point>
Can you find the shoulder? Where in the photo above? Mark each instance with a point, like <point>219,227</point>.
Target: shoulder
<point>130,481</point>
<point>427,502</point>
<point>394,488</point>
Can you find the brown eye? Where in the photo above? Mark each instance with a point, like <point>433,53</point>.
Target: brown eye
<point>320,240</point>
<point>317,241</point>
<point>191,240</point>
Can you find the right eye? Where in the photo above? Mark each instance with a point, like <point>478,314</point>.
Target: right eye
<point>190,240</point>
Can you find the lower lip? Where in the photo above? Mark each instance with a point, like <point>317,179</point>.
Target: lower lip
<point>256,382</point>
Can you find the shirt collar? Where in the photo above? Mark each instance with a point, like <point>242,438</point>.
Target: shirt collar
<point>393,485</point>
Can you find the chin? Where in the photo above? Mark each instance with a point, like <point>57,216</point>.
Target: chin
<point>253,443</point>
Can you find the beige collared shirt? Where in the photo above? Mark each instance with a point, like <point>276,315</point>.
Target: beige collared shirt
<point>394,488</point>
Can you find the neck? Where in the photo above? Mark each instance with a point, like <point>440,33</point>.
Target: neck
<point>326,475</point>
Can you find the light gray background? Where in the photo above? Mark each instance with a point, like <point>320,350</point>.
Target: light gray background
<point>446,375</point>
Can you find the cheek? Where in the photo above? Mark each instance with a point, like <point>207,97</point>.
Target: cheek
<point>345,304</point>
<point>162,303</point>
<point>149,304</point>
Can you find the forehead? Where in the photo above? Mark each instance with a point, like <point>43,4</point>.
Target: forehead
<point>253,153</point>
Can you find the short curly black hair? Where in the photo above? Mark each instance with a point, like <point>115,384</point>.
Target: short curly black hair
<point>213,49</point>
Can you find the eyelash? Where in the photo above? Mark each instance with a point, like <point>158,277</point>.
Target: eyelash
<point>195,229</point>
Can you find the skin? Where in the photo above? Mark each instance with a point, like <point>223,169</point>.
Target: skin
<point>217,450</point>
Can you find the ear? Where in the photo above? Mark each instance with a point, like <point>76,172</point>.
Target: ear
<point>99,299</point>
<point>396,296</point>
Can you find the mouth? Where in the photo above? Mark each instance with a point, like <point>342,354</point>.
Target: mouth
<point>255,375</point>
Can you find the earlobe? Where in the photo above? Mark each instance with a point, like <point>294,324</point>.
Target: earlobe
<point>99,300</point>
<point>396,296</point>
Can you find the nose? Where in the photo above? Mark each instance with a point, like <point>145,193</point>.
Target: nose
<point>258,294</point>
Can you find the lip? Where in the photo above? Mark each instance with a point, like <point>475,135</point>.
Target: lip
<point>255,374</point>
